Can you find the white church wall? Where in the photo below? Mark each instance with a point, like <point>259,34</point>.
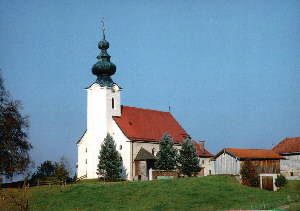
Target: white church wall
<point>96,126</point>
<point>99,122</point>
<point>123,146</point>
<point>82,156</point>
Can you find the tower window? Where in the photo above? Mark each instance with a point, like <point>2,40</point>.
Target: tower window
<point>153,151</point>
<point>85,161</point>
<point>202,161</point>
<point>113,103</point>
<point>85,149</point>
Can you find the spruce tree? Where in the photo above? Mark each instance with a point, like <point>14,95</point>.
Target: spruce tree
<point>188,159</point>
<point>166,156</point>
<point>110,160</point>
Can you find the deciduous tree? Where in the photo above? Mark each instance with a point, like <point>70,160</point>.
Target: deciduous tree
<point>166,156</point>
<point>14,144</point>
<point>46,169</point>
<point>249,174</point>
<point>110,160</point>
<point>62,169</point>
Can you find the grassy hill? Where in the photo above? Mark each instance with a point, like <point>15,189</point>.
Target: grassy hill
<point>204,193</point>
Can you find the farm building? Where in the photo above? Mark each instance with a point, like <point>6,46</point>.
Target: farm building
<point>207,165</point>
<point>136,131</point>
<point>290,149</point>
<point>267,163</point>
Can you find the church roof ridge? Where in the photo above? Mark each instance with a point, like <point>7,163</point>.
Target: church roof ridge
<point>144,109</point>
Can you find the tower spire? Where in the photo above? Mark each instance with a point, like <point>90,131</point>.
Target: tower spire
<point>103,28</point>
<point>104,68</point>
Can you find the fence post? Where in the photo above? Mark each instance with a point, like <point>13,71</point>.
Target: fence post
<point>289,198</point>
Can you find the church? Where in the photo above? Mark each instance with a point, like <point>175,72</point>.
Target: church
<point>136,131</point>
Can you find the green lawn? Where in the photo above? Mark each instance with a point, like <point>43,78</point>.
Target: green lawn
<point>204,193</point>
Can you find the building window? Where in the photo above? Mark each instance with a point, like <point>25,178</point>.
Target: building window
<point>85,161</point>
<point>85,149</point>
<point>203,162</point>
<point>113,103</point>
<point>209,172</point>
<point>120,147</point>
<point>153,151</point>
<point>292,174</point>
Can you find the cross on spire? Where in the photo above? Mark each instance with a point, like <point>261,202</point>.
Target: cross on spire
<point>103,28</point>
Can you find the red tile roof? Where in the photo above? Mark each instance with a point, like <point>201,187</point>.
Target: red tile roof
<point>200,153</point>
<point>251,153</point>
<point>288,145</point>
<point>148,125</point>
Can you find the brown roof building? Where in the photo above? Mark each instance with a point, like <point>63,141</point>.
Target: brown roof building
<point>290,149</point>
<point>266,162</point>
<point>230,160</point>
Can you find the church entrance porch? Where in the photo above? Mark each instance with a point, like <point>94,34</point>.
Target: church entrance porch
<point>144,164</point>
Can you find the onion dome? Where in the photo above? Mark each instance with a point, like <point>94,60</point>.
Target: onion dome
<point>103,67</point>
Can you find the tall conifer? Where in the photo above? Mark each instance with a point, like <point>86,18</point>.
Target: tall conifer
<point>166,156</point>
<point>110,160</point>
<point>188,158</point>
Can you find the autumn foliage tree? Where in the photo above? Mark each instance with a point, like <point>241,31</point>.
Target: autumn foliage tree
<point>14,144</point>
<point>249,174</point>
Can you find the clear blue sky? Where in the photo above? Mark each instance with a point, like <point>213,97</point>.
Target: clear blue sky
<point>230,70</point>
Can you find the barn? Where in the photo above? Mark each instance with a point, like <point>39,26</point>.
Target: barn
<point>267,163</point>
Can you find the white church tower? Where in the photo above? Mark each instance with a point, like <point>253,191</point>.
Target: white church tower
<point>103,102</point>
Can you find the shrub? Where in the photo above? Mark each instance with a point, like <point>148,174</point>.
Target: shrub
<point>280,181</point>
<point>249,174</point>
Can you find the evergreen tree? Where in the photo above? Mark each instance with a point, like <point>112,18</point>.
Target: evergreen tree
<point>110,160</point>
<point>166,156</point>
<point>188,159</point>
<point>249,174</point>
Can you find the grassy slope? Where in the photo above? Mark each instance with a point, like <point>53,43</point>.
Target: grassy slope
<point>208,193</point>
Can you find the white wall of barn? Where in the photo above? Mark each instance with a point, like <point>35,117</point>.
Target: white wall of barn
<point>227,164</point>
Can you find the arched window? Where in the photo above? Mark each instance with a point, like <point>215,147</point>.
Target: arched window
<point>113,103</point>
<point>153,151</point>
